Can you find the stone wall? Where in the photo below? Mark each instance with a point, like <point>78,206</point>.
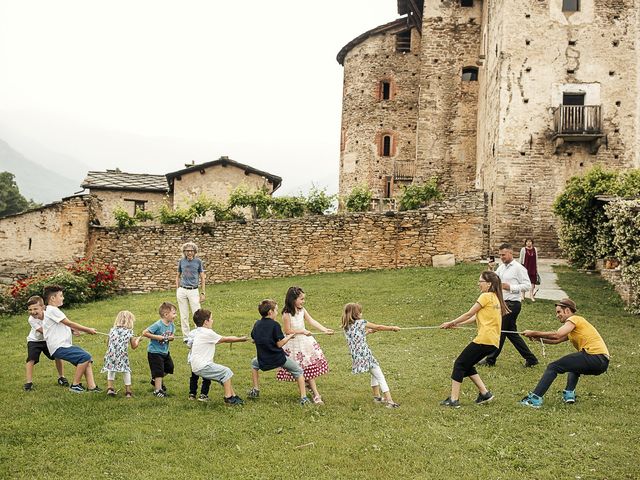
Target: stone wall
<point>44,239</point>
<point>614,277</point>
<point>146,257</point>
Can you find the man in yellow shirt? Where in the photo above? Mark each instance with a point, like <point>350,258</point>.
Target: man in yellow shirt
<point>592,357</point>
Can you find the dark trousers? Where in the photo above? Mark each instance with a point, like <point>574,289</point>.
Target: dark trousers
<point>193,385</point>
<point>574,365</point>
<point>509,323</point>
<point>472,354</point>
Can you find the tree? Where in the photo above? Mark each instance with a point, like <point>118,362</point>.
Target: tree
<point>11,200</point>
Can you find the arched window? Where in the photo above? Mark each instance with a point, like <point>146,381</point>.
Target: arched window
<point>470,74</point>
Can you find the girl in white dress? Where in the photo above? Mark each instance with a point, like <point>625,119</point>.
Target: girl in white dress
<point>303,348</point>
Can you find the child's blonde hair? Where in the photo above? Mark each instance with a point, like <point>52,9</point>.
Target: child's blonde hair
<point>352,312</point>
<point>125,319</point>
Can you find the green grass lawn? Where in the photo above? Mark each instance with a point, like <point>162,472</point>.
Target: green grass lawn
<point>53,433</point>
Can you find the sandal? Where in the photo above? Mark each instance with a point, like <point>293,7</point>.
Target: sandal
<point>318,400</point>
<point>129,394</point>
<point>392,405</point>
<point>111,392</point>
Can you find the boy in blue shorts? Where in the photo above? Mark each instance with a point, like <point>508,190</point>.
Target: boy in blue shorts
<point>204,349</point>
<point>57,332</point>
<point>269,339</point>
<point>36,344</point>
<point>160,361</point>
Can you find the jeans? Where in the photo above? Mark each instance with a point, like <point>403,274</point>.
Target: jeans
<point>574,365</point>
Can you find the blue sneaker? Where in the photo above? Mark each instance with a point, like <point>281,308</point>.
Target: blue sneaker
<point>569,396</point>
<point>532,400</point>
<point>304,401</point>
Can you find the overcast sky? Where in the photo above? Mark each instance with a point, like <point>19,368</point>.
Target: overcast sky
<point>148,85</point>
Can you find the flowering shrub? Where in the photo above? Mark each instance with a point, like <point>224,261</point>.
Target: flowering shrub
<point>82,281</point>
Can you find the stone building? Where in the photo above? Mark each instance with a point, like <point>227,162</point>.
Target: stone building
<point>134,191</point>
<point>508,98</point>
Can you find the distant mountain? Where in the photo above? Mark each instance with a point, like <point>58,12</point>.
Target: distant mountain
<point>34,181</point>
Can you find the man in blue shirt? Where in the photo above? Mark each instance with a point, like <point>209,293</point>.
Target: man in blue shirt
<point>190,276</point>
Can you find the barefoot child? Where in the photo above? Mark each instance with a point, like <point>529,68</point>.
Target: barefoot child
<point>203,351</point>
<point>487,313</point>
<point>356,330</point>
<point>160,361</point>
<point>303,347</point>
<point>269,340</point>
<point>36,344</point>
<point>57,331</point>
<point>117,357</point>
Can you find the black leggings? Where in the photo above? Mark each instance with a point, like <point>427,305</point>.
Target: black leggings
<point>193,385</point>
<point>574,365</point>
<point>472,354</point>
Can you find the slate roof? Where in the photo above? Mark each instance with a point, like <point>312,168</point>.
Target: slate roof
<point>275,180</point>
<point>117,180</point>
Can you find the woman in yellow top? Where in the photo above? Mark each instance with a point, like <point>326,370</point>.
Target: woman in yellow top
<point>592,357</point>
<point>487,312</point>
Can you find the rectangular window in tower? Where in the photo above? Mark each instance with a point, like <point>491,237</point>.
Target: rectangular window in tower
<point>386,146</point>
<point>388,187</point>
<point>466,3</point>
<point>570,5</point>
<point>573,98</point>
<point>403,42</point>
<point>385,91</point>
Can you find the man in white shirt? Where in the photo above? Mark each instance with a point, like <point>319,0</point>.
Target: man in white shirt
<point>515,281</point>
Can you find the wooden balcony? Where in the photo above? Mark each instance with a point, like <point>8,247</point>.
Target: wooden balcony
<point>404,170</point>
<point>578,123</point>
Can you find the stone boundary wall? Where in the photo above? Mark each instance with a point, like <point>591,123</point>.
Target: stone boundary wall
<point>145,257</point>
<point>614,277</point>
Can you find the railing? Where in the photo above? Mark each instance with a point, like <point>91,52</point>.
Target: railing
<point>404,170</point>
<point>578,119</point>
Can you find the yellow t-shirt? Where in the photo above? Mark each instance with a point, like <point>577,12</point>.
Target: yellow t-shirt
<point>586,337</point>
<point>489,320</point>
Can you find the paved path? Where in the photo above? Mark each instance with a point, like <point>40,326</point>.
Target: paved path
<point>548,288</point>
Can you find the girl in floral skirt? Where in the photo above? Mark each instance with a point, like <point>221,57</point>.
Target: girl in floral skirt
<point>303,348</point>
<point>117,357</point>
<point>356,330</point>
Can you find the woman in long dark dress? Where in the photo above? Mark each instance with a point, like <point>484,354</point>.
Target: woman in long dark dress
<point>529,258</point>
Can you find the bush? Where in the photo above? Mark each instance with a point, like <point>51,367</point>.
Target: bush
<point>288,207</point>
<point>101,277</point>
<point>416,196</point>
<point>179,215</point>
<point>359,200</point>
<point>585,233</point>
<point>123,219</point>
<point>318,202</point>
<point>259,201</point>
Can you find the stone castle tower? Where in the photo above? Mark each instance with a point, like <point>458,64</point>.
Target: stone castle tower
<point>509,97</point>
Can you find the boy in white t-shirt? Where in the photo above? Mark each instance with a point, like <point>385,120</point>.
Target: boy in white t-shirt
<point>203,350</point>
<point>57,330</point>
<point>36,344</point>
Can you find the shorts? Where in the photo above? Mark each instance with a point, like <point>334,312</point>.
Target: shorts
<point>161,364</point>
<point>74,355</point>
<point>34,349</point>
<point>214,371</point>
<point>290,365</point>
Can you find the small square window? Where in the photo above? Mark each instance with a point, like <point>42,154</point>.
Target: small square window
<point>466,3</point>
<point>138,206</point>
<point>570,5</point>
<point>469,74</point>
<point>573,98</point>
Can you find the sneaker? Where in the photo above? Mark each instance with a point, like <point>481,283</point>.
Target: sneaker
<point>203,398</point>
<point>487,397</point>
<point>192,396</point>
<point>529,364</point>
<point>532,400</point>
<point>28,387</point>
<point>486,363</point>
<point>447,402</point>
<point>569,396</point>
<point>379,400</point>
<point>304,401</point>
<point>128,394</point>
<point>77,388</point>
<point>317,399</point>
<point>153,384</point>
<point>63,382</point>
<point>111,392</point>
<point>253,393</point>
<point>233,400</point>
<point>159,394</point>
<point>392,405</point>
<point>95,389</point>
